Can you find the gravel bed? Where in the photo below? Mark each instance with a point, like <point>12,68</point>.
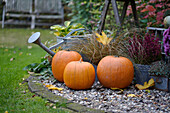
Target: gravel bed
<point>110,100</point>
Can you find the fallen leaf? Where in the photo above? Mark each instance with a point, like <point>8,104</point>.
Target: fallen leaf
<point>20,53</point>
<point>29,47</point>
<point>49,85</point>
<point>6,50</point>
<point>53,87</point>
<point>131,95</point>
<point>54,107</point>
<point>146,85</point>
<point>148,91</point>
<point>12,59</point>
<point>117,89</point>
<point>103,38</point>
<point>86,98</point>
<point>28,54</point>
<point>6,111</point>
<point>29,72</point>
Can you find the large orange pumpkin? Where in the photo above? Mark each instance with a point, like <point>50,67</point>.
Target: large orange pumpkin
<point>60,60</point>
<point>115,72</point>
<point>79,75</point>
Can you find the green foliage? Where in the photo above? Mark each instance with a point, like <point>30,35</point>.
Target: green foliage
<point>88,12</point>
<point>160,68</point>
<point>42,69</point>
<point>150,12</point>
<point>62,31</point>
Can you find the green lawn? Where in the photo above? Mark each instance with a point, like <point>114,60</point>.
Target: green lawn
<point>14,56</point>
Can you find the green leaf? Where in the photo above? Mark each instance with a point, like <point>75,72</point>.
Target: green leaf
<point>30,66</point>
<point>67,23</point>
<point>144,21</point>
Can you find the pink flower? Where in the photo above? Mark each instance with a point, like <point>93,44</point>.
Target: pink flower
<point>166,41</point>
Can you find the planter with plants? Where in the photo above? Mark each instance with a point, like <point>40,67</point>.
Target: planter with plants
<point>159,71</point>
<point>70,32</point>
<point>143,48</point>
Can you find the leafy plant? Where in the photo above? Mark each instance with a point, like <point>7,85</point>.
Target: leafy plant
<point>84,10</point>
<point>43,68</point>
<point>143,48</point>
<point>62,31</point>
<point>160,68</point>
<point>151,12</point>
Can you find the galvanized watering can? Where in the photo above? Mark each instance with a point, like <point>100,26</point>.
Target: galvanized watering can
<point>35,38</point>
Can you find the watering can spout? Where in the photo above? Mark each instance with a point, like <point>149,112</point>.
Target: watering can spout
<point>35,38</point>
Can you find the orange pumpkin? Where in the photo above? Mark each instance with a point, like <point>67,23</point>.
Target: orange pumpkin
<point>115,72</point>
<point>79,75</point>
<point>60,60</point>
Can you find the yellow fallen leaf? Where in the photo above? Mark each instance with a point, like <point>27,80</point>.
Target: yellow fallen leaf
<point>146,85</point>
<point>148,91</point>
<point>117,89</point>
<point>55,88</point>
<point>49,85</point>
<point>103,38</point>
<point>20,53</point>
<point>6,50</point>
<point>6,111</point>
<point>131,95</point>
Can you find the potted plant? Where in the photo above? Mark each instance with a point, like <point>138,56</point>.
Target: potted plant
<point>61,31</point>
<point>159,71</point>
<point>143,48</point>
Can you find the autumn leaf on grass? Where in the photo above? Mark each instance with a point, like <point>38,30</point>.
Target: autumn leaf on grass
<point>53,87</point>
<point>103,38</point>
<point>6,50</point>
<point>12,59</point>
<point>146,85</point>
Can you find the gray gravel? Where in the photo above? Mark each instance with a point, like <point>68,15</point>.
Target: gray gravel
<point>106,99</point>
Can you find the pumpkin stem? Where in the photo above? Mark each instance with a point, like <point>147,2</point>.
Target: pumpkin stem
<point>80,60</point>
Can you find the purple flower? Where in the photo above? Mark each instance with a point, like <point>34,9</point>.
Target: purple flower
<point>166,41</point>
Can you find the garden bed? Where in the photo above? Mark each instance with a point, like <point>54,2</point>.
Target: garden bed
<point>126,100</point>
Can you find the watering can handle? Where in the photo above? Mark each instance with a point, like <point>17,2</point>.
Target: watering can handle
<point>70,33</point>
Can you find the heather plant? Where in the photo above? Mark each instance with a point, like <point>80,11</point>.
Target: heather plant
<point>166,42</point>
<point>143,48</point>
